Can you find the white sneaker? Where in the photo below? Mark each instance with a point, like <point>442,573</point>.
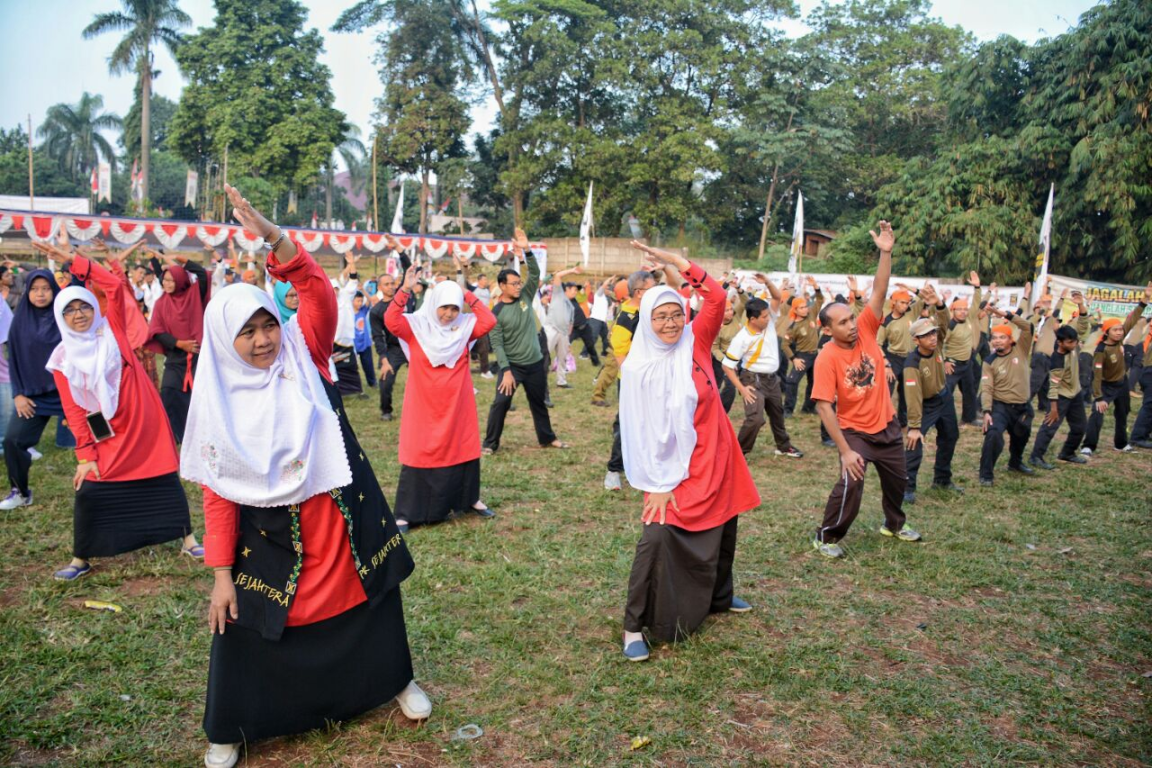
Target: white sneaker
<point>16,499</point>
<point>221,755</point>
<point>1085,451</point>
<point>1126,449</point>
<point>612,481</point>
<point>35,454</point>
<point>487,375</point>
<point>414,702</point>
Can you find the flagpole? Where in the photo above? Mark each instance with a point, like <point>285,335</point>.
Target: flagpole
<point>375,200</point>
<point>31,175</point>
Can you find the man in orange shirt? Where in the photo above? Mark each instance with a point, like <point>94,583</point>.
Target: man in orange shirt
<point>850,372</point>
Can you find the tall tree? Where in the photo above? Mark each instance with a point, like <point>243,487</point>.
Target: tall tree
<point>147,23</point>
<point>71,134</point>
<point>257,90</point>
<point>161,111</point>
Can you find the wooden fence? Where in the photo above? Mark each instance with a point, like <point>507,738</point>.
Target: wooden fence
<point>614,256</point>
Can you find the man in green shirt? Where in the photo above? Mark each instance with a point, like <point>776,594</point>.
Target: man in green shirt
<point>515,341</point>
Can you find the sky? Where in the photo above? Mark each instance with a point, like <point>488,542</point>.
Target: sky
<point>35,81</point>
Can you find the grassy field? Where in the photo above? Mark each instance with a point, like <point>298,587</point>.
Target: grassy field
<point>1017,633</point>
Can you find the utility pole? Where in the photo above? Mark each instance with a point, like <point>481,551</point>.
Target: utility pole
<point>31,176</point>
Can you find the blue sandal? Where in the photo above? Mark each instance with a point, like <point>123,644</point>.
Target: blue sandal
<point>72,572</point>
<point>195,552</point>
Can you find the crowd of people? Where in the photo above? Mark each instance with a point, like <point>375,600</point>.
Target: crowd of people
<point>307,553</point>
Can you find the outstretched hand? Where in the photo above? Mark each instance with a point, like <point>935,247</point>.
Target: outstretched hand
<point>885,239</point>
<point>247,215</point>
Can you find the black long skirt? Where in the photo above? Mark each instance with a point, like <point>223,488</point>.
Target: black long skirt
<point>347,371</point>
<point>430,495</point>
<point>175,402</point>
<point>678,578</point>
<point>316,674</point>
<point>111,518</point>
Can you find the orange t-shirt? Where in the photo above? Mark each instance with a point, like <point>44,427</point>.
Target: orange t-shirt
<point>855,379</point>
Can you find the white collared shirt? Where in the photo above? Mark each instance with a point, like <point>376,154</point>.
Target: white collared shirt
<point>744,345</point>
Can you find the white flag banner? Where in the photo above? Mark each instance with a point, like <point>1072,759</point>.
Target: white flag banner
<point>398,219</point>
<point>104,182</point>
<point>190,187</point>
<point>1040,279</point>
<point>586,228</point>
<point>797,240</point>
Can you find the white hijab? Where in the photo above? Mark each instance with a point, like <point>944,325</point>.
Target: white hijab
<point>90,360</point>
<point>442,344</point>
<point>261,437</point>
<point>657,401</point>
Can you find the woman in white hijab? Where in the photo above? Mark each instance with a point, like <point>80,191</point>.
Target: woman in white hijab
<point>680,449</point>
<point>439,434</point>
<point>128,492</point>
<point>306,617</point>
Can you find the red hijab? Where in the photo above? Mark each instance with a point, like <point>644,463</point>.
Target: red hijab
<point>180,313</point>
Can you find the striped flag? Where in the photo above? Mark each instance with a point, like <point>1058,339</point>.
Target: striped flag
<point>1040,276</point>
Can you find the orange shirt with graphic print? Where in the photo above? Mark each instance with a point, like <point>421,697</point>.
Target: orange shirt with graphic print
<point>855,379</point>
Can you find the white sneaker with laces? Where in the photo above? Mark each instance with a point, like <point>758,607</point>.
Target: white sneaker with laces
<point>16,499</point>
<point>221,755</point>
<point>612,481</point>
<point>414,702</point>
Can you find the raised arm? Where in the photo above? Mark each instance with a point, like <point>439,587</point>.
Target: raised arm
<point>884,240</point>
<point>394,316</point>
<point>708,320</point>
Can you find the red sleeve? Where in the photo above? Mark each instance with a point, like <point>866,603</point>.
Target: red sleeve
<point>485,320</point>
<point>317,314</point>
<point>394,319</point>
<point>824,377</point>
<point>867,323</point>
<point>77,420</point>
<point>706,325</point>
<point>221,529</point>
<point>114,289</point>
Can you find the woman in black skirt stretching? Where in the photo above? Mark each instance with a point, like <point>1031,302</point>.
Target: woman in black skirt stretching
<point>128,492</point>
<point>175,330</point>
<point>307,622</point>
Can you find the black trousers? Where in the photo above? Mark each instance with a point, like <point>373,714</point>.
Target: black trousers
<point>588,336</point>
<point>396,359</point>
<point>600,332</point>
<point>534,379</point>
<point>726,388</point>
<point>962,376</point>
<point>1142,429</point>
<point>1115,393</point>
<point>616,459</point>
<point>792,384</point>
<point>897,363</point>
<point>1016,420</point>
<point>480,352</point>
<point>1134,359</point>
<point>939,413</point>
<point>1041,367</point>
<point>369,367</point>
<point>1072,409</point>
<point>884,449</point>
<point>22,435</point>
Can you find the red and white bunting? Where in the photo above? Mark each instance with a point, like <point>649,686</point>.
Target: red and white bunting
<point>342,243</point>
<point>42,228</point>
<point>309,241</point>
<point>493,251</point>
<point>464,250</point>
<point>82,229</point>
<point>406,242</point>
<point>6,222</point>
<point>211,236</point>
<point>170,235</point>
<point>127,232</point>
<point>436,248</point>
<point>374,243</point>
<point>247,240</point>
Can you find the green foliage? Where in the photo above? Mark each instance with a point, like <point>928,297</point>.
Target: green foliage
<point>51,181</point>
<point>144,22</point>
<point>163,109</point>
<point>257,87</point>
<point>72,137</point>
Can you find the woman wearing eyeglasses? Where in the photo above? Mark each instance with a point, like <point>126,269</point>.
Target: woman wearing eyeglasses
<point>680,449</point>
<point>128,492</point>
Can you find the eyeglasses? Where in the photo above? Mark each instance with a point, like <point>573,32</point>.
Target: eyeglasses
<point>673,319</point>
<point>511,284</point>
<point>69,311</point>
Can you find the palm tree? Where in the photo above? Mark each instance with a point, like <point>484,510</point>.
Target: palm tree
<point>145,21</point>
<point>71,134</point>
<point>351,150</point>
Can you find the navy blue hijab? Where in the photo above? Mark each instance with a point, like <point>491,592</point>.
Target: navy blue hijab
<point>31,340</point>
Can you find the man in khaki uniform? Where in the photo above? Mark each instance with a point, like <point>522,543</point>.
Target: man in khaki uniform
<point>1110,379</point>
<point>1005,396</point>
<point>1066,398</point>
<point>959,348</point>
<point>799,344</point>
<point>896,342</point>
